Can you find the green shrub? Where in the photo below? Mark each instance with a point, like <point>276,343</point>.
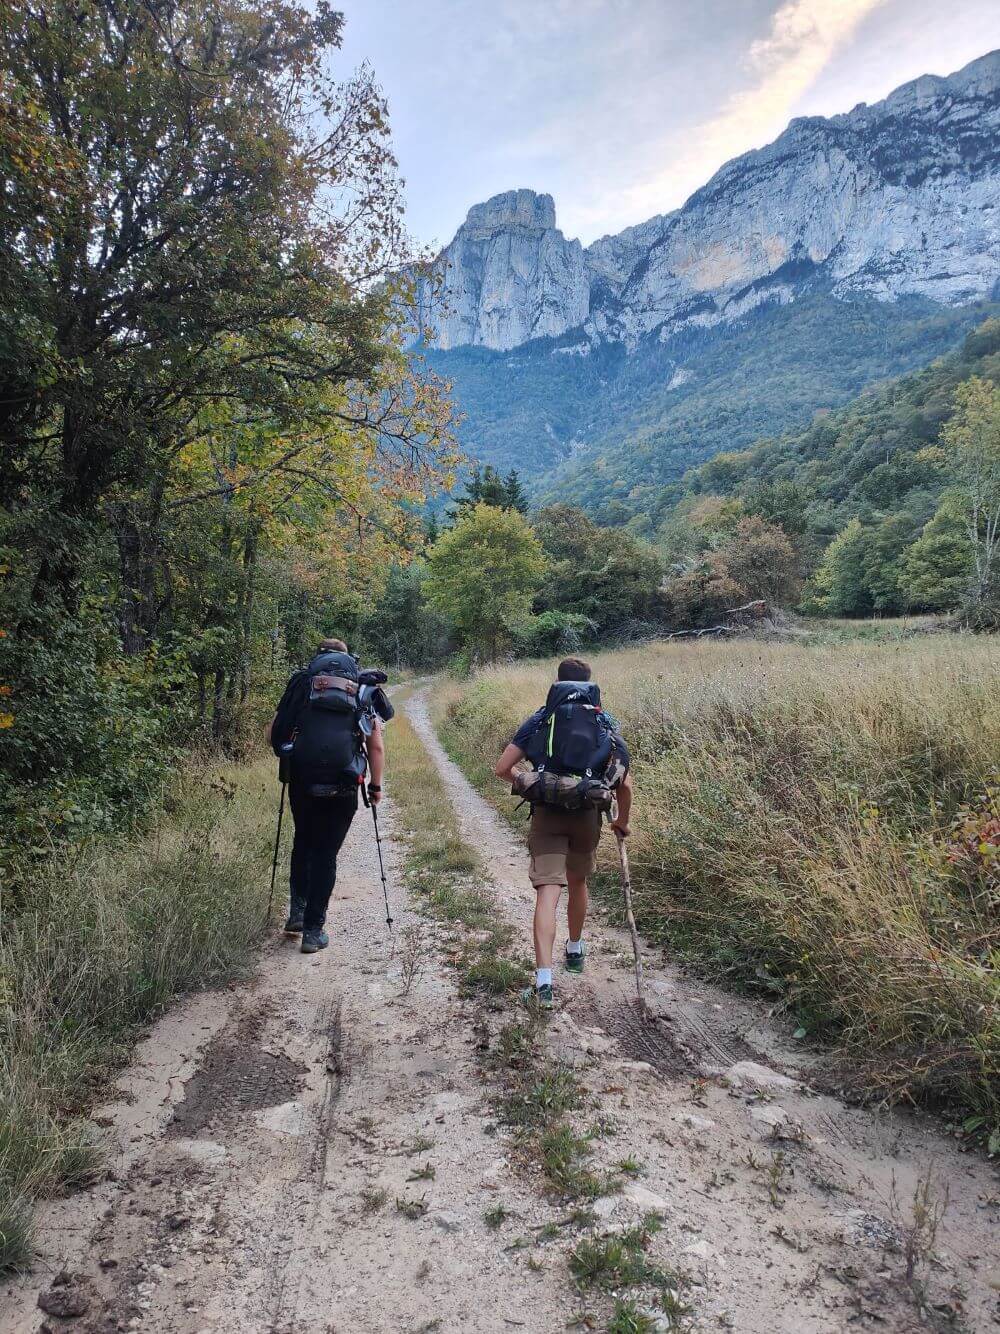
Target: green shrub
<point>90,734</point>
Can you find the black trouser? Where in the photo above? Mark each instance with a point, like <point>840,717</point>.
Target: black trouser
<point>321,825</point>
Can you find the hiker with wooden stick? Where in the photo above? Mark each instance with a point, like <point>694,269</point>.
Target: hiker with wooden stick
<point>579,772</point>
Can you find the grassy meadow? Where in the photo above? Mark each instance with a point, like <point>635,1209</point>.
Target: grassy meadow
<point>93,943</point>
<point>820,822</point>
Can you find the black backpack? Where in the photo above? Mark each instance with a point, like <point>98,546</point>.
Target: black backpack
<point>329,744</point>
<point>573,737</point>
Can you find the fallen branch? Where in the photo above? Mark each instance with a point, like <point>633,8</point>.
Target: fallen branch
<point>705,630</point>
<point>758,609</point>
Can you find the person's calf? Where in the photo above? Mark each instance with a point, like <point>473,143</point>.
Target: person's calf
<point>546,903</point>
<point>544,925</point>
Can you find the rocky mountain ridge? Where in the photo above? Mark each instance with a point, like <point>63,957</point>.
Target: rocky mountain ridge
<point>900,198</point>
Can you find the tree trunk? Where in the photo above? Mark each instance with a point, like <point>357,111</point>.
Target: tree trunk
<point>250,547</point>
<point>219,705</point>
<point>137,533</point>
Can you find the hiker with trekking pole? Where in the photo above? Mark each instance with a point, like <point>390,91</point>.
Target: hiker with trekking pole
<point>579,773</point>
<point>327,735</point>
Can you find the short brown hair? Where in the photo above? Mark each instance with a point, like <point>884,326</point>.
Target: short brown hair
<point>573,669</point>
<point>332,646</point>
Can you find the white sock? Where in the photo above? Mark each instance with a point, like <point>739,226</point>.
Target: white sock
<point>574,946</point>
<point>543,977</point>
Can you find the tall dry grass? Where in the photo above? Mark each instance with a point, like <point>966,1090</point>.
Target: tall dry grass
<point>821,822</point>
<point>96,942</point>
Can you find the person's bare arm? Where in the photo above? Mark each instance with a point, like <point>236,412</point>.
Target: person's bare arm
<point>620,823</point>
<point>508,762</point>
<point>376,761</point>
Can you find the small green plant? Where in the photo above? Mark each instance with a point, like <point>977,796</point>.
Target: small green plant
<point>544,1099</point>
<point>605,1127</point>
<point>496,1217</point>
<point>630,1167</point>
<point>677,1311</point>
<point>373,1199</point>
<point>413,1208</point>
<point>627,1318</point>
<point>419,1144</point>
<point>516,1044</point>
<point>426,1173</point>
<point>618,1260</point>
<point>564,1156</point>
<point>492,977</point>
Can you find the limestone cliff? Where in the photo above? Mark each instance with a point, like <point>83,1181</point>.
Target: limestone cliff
<point>894,199</point>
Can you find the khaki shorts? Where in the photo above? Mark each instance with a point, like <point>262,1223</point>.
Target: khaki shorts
<point>562,843</point>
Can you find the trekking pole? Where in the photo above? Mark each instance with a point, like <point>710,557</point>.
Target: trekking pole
<point>630,916</point>
<point>274,864</point>
<point>373,807</point>
<point>381,867</point>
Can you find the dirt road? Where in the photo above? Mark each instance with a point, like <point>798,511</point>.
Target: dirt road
<point>315,1151</point>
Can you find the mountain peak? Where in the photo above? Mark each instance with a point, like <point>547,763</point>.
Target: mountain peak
<point>979,77</point>
<point>513,208</point>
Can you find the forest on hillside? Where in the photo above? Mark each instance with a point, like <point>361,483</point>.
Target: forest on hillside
<point>614,432</point>
<point>891,501</point>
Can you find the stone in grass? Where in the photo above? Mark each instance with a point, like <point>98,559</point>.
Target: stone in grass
<point>67,1298</point>
<point>694,1122</point>
<point>749,1073</point>
<point>645,1198</point>
<point>776,1123</point>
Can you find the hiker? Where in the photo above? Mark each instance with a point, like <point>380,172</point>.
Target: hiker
<point>581,764</point>
<point>329,725</point>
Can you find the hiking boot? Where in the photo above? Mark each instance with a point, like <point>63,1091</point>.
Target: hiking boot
<point>314,938</point>
<point>296,914</point>
<point>574,962</point>
<point>542,997</point>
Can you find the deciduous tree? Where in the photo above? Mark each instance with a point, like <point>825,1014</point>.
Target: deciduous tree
<point>972,437</point>
<point>483,575</point>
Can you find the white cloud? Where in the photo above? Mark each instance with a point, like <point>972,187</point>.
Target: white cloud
<point>804,35</point>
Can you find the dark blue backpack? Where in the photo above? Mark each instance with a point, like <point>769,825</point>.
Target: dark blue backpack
<point>329,744</point>
<point>573,737</point>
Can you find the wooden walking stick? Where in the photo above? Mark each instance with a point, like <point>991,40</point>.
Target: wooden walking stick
<point>630,916</point>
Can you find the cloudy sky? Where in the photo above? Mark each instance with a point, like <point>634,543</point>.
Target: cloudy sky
<point>621,108</point>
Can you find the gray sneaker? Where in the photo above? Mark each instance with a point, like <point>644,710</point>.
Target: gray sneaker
<point>296,915</point>
<point>314,938</point>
